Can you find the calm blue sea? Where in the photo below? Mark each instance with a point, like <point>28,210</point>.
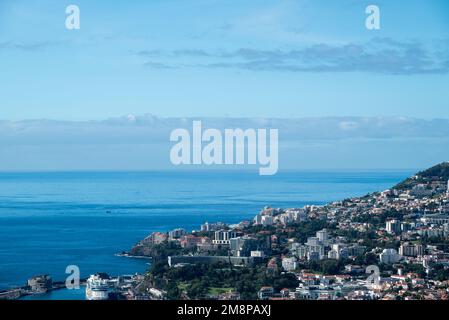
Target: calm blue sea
<point>51,220</point>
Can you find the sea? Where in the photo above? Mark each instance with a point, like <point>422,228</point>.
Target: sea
<point>50,220</point>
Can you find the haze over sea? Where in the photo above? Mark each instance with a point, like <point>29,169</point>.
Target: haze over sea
<point>51,220</point>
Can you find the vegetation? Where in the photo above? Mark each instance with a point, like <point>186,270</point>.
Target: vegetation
<point>202,280</point>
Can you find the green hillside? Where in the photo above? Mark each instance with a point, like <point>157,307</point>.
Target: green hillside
<point>440,172</point>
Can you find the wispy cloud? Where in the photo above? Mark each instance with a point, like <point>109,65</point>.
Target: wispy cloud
<point>149,128</point>
<point>380,55</point>
<point>142,142</point>
<point>28,46</point>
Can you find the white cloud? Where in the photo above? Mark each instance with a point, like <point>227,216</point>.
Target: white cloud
<point>142,142</point>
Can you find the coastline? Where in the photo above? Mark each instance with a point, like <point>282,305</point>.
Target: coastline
<point>143,257</point>
<point>24,291</point>
<point>131,256</point>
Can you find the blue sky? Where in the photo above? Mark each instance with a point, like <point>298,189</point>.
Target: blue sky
<point>246,58</point>
<point>349,98</point>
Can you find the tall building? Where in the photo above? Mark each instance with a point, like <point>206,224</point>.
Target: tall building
<point>411,250</point>
<point>290,264</point>
<point>389,256</point>
<point>176,233</point>
<point>323,236</point>
<point>447,190</point>
<point>393,226</point>
<point>212,226</point>
<point>224,237</point>
<point>242,246</point>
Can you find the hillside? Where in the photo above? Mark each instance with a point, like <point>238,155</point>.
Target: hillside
<point>436,173</point>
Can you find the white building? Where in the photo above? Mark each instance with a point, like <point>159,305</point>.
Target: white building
<point>267,220</point>
<point>290,264</point>
<point>224,237</point>
<point>257,254</point>
<point>411,250</point>
<point>176,234</point>
<point>323,236</point>
<point>393,226</point>
<point>389,256</point>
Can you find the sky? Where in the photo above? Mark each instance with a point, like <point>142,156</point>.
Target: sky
<point>105,97</point>
<point>218,58</point>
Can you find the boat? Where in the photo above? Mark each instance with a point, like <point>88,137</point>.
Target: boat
<point>97,287</point>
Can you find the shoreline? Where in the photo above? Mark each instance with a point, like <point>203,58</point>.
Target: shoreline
<point>22,292</point>
<point>131,256</point>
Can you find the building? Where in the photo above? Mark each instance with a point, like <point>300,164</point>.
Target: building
<point>189,241</point>
<point>314,245</point>
<point>438,219</point>
<point>313,256</point>
<point>333,254</point>
<point>41,283</point>
<point>290,264</point>
<point>393,226</point>
<point>421,191</point>
<point>411,250</point>
<point>389,256</point>
<point>267,220</point>
<point>257,254</point>
<point>265,293</point>
<point>155,238</point>
<point>236,261</point>
<point>205,244</point>
<point>242,246</point>
<point>223,237</point>
<point>317,292</point>
<point>212,226</point>
<point>176,234</point>
<point>323,236</point>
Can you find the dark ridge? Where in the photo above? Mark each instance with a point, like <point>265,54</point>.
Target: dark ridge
<point>440,172</point>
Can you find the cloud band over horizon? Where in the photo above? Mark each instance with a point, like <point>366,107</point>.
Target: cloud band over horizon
<point>142,142</point>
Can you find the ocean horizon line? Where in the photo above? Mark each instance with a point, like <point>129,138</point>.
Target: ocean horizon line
<point>204,170</point>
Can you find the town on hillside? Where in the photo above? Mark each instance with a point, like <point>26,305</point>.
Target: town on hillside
<point>389,245</point>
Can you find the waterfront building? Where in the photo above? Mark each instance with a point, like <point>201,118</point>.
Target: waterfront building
<point>176,234</point>
<point>155,238</point>
<point>40,284</point>
<point>267,220</point>
<point>257,220</point>
<point>212,226</point>
<point>189,241</point>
